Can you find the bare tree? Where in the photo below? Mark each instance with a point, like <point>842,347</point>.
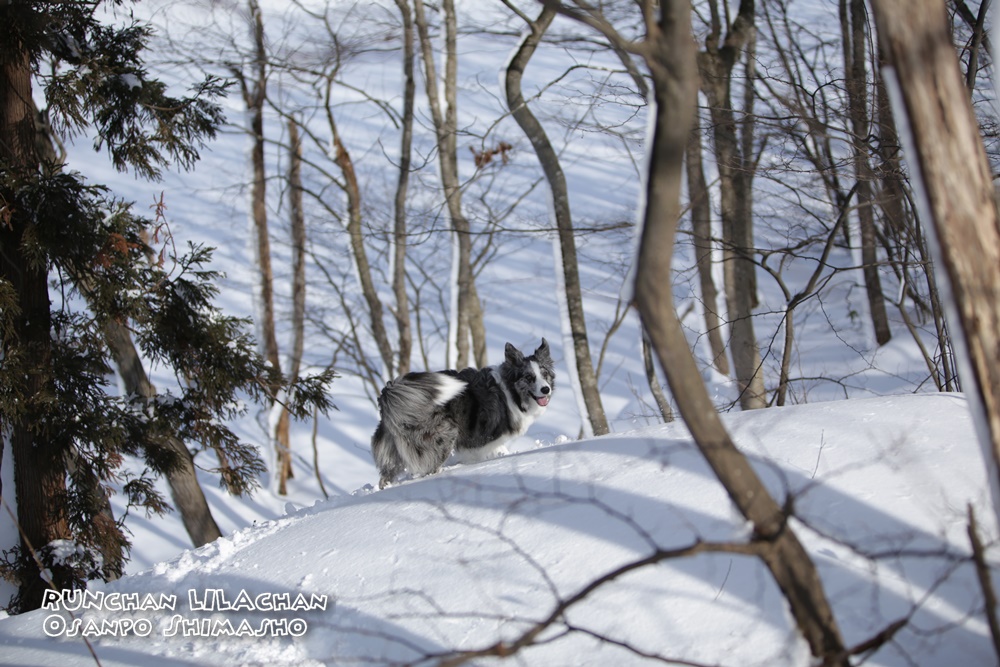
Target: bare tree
<point>723,49</point>
<point>701,228</point>
<point>854,31</point>
<point>581,361</point>
<point>467,313</point>
<point>947,153</point>
<point>253,85</point>
<point>399,232</point>
<point>669,54</point>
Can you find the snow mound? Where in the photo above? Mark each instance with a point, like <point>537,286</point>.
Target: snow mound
<point>476,554</point>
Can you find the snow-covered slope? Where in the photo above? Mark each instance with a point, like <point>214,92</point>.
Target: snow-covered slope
<point>480,553</point>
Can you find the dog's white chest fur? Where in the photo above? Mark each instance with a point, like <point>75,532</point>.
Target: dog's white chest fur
<point>520,420</point>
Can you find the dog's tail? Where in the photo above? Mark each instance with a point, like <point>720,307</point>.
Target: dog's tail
<point>413,433</point>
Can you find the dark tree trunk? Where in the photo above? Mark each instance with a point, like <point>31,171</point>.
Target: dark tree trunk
<point>854,31</point>
<point>39,456</point>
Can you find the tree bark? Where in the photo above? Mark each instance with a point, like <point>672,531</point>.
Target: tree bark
<point>701,228</point>
<point>950,161</point>
<point>298,228</point>
<point>254,96</point>
<point>185,491</point>
<point>399,231</point>
<point>549,159</point>
<point>356,235</point>
<point>853,36</point>
<point>467,320</point>
<point>39,463</point>
<point>716,64</point>
<point>672,65</point>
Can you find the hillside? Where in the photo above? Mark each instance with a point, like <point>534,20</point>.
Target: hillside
<point>479,553</point>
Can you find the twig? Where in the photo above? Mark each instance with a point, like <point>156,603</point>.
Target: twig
<point>529,637</point>
<point>985,580</point>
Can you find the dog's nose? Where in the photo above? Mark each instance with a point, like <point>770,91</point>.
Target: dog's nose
<point>545,390</point>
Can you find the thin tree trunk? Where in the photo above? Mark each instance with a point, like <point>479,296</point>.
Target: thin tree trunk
<point>298,233</point>
<point>549,160</point>
<point>929,95</point>
<point>854,31</point>
<point>185,491</point>
<point>255,95</point>
<point>701,227</point>
<point>666,412</point>
<point>903,224</point>
<point>356,234</point>
<point>978,40</point>
<point>298,225</point>
<point>672,65</point>
<point>399,232</point>
<point>446,131</point>
<point>716,65</point>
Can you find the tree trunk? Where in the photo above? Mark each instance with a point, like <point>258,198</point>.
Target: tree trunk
<point>701,228</point>
<point>716,65</point>
<point>446,131</point>
<point>666,412</point>
<point>356,234</point>
<point>854,31</point>
<point>672,66</point>
<point>948,156</point>
<point>39,464</point>
<point>402,312</point>
<point>549,159</point>
<point>298,225</point>
<point>901,223</point>
<point>185,491</point>
<point>255,95</point>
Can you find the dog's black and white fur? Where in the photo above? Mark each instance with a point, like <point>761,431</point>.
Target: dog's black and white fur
<point>473,413</point>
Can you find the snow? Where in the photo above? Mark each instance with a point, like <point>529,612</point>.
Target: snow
<point>880,483</point>
<point>480,552</point>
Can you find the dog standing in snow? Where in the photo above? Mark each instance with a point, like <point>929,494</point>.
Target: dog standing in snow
<point>472,412</point>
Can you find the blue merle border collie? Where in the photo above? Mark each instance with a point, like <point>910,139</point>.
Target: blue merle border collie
<point>472,413</point>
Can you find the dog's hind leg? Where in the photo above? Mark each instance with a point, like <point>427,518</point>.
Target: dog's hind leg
<point>426,449</point>
<point>387,459</point>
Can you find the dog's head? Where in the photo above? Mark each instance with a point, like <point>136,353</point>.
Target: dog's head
<point>533,377</point>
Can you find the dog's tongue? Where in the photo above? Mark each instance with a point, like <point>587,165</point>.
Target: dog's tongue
<point>542,400</point>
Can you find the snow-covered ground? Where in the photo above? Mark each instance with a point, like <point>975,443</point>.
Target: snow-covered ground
<point>480,553</point>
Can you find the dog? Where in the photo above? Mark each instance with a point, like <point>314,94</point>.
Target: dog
<point>427,416</point>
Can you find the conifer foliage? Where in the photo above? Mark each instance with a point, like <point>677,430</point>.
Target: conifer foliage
<point>73,260</point>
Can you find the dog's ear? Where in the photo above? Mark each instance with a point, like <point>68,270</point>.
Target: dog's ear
<point>542,351</point>
<point>512,354</point>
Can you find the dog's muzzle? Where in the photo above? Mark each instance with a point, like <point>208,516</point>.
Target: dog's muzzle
<point>543,400</point>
